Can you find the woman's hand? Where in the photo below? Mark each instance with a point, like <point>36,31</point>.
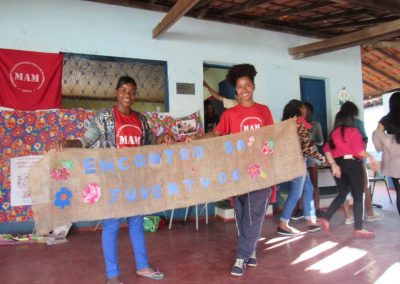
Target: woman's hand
<point>168,139</point>
<point>60,144</point>
<point>374,164</point>
<point>187,140</point>
<point>336,171</point>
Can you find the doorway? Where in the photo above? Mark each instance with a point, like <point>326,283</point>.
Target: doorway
<point>214,76</point>
<point>313,91</point>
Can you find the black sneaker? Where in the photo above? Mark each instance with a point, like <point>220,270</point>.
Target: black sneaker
<point>252,260</point>
<point>292,232</point>
<point>298,215</point>
<point>239,267</point>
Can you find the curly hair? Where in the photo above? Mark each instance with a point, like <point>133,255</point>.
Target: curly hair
<point>241,70</point>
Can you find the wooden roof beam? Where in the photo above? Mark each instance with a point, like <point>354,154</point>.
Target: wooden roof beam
<point>177,11</point>
<point>392,6</point>
<point>336,15</point>
<point>383,44</point>
<point>379,93</point>
<point>291,11</point>
<point>244,6</point>
<point>372,86</point>
<point>357,24</point>
<point>386,75</point>
<point>265,26</point>
<point>390,57</point>
<point>134,4</point>
<point>201,9</point>
<point>379,32</point>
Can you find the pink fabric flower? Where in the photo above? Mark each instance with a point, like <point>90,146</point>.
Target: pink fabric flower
<point>91,193</point>
<point>267,149</point>
<point>254,170</point>
<point>60,173</point>
<point>195,170</point>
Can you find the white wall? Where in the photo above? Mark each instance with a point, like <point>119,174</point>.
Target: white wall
<point>92,28</point>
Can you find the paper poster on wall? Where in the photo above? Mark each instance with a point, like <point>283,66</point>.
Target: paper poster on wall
<point>20,166</point>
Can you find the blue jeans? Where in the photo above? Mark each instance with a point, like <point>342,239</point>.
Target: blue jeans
<point>299,186</point>
<point>109,241</point>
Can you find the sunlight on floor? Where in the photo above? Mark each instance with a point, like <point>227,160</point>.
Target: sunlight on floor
<point>285,241</point>
<point>338,260</point>
<point>275,240</point>
<point>314,252</point>
<point>391,275</point>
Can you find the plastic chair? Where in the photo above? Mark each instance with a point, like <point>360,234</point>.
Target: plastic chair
<point>372,182</point>
<point>186,215</point>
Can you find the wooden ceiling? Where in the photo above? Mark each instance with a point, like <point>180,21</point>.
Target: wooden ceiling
<point>372,24</point>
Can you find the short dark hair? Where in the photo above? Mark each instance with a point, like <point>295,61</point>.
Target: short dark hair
<point>125,80</point>
<point>241,70</point>
<point>291,109</point>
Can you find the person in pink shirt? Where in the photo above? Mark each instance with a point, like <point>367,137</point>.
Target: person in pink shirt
<point>345,151</point>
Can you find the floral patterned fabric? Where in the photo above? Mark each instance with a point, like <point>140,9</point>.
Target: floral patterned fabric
<point>24,133</point>
<point>162,122</point>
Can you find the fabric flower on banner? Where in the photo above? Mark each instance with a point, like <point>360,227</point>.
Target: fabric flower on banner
<point>63,197</point>
<point>268,147</point>
<point>62,171</point>
<point>91,193</point>
<point>250,141</point>
<point>195,170</point>
<point>67,163</point>
<point>255,171</point>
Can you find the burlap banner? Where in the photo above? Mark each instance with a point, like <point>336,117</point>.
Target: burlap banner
<point>92,184</point>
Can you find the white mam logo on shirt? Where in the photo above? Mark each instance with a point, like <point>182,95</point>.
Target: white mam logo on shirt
<point>129,135</point>
<point>250,123</point>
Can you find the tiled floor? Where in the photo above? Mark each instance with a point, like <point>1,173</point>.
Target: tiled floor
<point>205,256</point>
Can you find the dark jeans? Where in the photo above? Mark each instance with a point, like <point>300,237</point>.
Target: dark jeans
<point>352,179</point>
<point>250,211</point>
<point>397,188</point>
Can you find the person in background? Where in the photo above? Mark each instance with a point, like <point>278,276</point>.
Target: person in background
<point>317,139</point>
<point>211,119</point>
<point>389,143</point>
<point>345,151</point>
<point>249,208</point>
<point>228,103</point>
<point>352,109</point>
<point>302,184</point>
<point>111,127</point>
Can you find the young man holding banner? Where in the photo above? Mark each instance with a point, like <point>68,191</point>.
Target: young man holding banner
<point>249,208</point>
<point>118,127</point>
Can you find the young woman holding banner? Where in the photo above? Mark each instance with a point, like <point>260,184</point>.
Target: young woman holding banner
<point>111,127</point>
<point>249,208</point>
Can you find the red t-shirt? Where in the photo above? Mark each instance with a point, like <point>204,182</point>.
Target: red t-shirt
<point>128,130</point>
<point>240,119</point>
<point>353,143</point>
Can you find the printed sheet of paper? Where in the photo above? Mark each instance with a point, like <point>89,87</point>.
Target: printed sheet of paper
<point>20,166</point>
